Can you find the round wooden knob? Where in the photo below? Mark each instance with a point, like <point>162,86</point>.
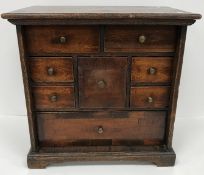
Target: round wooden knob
<point>142,39</point>
<point>100,129</point>
<point>152,70</point>
<point>101,84</point>
<point>53,98</point>
<point>62,39</point>
<point>150,100</point>
<point>50,71</point>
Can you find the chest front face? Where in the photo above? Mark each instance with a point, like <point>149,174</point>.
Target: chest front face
<point>119,76</point>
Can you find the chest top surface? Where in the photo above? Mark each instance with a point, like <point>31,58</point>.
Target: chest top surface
<point>99,12</point>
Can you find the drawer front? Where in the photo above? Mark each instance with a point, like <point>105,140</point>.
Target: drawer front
<point>149,97</point>
<point>140,39</point>
<point>102,82</point>
<point>51,69</point>
<point>53,97</point>
<point>42,40</point>
<point>95,128</point>
<point>151,69</point>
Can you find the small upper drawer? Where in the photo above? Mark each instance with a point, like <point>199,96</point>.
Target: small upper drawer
<point>151,69</point>
<point>51,69</point>
<point>42,40</point>
<point>53,97</point>
<point>150,97</point>
<point>140,39</point>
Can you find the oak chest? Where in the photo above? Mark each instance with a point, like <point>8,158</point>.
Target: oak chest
<point>101,83</point>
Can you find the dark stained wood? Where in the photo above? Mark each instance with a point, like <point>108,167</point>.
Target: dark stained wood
<point>94,22</point>
<point>43,97</point>
<point>104,148</point>
<point>141,66</point>
<point>78,39</point>
<point>139,97</point>
<point>59,129</point>
<point>61,69</point>
<point>99,102</point>
<point>175,87</point>
<point>27,90</point>
<point>99,12</point>
<point>111,72</point>
<point>126,38</point>
<point>157,156</point>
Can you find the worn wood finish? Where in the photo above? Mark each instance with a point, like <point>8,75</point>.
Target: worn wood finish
<point>99,12</point>
<point>61,130</point>
<point>101,83</point>
<point>78,39</point>
<point>151,69</point>
<point>157,156</point>
<point>104,148</point>
<point>27,90</point>
<point>49,69</point>
<point>126,38</point>
<point>53,97</point>
<point>175,87</point>
<point>149,97</point>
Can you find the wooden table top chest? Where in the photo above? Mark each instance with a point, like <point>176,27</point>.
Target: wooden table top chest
<point>101,83</point>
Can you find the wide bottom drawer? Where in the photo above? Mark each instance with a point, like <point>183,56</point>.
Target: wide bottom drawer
<point>101,128</point>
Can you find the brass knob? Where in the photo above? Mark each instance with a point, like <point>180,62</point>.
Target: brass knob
<point>53,98</point>
<point>152,70</point>
<point>150,99</point>
<point>62,39</point>
<point>101,84</point>
<point>142,39</point>
<point>100,129</point>
<point>50,71</point>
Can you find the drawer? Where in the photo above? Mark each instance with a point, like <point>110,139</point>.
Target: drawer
<point>151,69</point>
<point>140,38</point>
<point>49,69</point>
<point>102,82</point>
<point>42,40</point>
<point>149,97</point>
<point>95,128</point>
<point>53,97</point>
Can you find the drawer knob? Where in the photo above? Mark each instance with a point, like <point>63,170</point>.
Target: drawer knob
<point>101,84</point>
<point>100,129</point>
<point>53,98</point>
<point>50,71</point>
<point>142,39</point>
<point>62,39</point>
<point>150,99</point>
<point>152,70</point>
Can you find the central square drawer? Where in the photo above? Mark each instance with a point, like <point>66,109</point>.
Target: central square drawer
<point>102,82</point>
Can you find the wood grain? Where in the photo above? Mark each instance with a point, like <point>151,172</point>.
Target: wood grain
<point>79,39</point>
<point>175,85</point>
<point>141,65</point>
<point>59,129</point>
<point>27,90</point>
<point>113,72</point>
<point>99,12</point>
<point>43,94</point>
<point>62,69</point>
<point>159,95</point>
<point>126,38</point>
